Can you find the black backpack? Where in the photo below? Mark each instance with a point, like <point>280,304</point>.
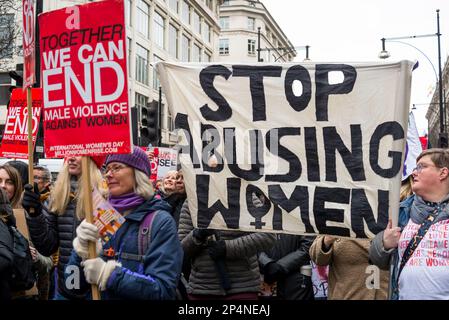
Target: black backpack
<point>23,274</point>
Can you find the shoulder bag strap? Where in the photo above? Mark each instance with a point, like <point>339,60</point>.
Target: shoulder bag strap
<point>414,242</point>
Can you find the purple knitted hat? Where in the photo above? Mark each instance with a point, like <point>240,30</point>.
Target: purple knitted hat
<point>138,159</point>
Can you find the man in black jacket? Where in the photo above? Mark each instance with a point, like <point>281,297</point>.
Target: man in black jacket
<point>288,263</point>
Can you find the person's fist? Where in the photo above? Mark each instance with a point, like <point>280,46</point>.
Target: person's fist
<point>33,252</point>
<point>328,240</point>
<point>202,234</point>
<point>32,199</point>
<point>97,271</point>
<point>391,236</point>
<point>272,272</point>
<point>87,232</point>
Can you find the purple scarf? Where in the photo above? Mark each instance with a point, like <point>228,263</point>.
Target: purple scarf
<point>126,201</point>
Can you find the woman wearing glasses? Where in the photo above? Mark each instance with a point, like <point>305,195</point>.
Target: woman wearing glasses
<point>54,229</point>
<point>417,248</point>
<point>133,264</point>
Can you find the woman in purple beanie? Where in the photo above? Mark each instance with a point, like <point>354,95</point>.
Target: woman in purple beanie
<point>143,259</point>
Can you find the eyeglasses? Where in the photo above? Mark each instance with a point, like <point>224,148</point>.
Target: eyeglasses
<point>113,169</point>
<point>420,166</point>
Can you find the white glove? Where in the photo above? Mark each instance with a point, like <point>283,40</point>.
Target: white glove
<point>98,271</point>
<point>84,233</point>
<point>83,251</point>
<point>87,232</point>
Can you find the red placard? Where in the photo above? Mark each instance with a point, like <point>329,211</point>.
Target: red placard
<point>84,78</point>
<point>15,136</point>
<point>28,43</point>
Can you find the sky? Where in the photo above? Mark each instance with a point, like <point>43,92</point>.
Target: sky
<point>350,31</point>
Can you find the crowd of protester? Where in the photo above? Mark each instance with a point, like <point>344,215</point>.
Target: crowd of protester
<point>159,254</point>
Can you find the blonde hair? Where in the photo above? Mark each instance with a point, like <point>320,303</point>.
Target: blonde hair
<point>14,176</point>
<point>60,195</point>
<point>143,186</point>
<point>406,188</point>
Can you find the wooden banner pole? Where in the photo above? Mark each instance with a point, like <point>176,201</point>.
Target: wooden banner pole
<point>87,187</point>
<point>30,140</point>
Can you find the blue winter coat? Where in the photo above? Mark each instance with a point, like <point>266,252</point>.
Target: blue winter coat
<point>157,276</point>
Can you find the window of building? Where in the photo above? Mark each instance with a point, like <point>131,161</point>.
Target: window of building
<point>223,46</point>
<point>141,64</point>
<point>7,35</point>
<point>173,4</point>
<point>224,23</point>
<point>206,32</point>
<point>173,41</point>
<point>251,23</point>
<point>196,53</point>
<point>159,29</point>
<point>170,126</point>
<point>185,49</point>
<point>225,3</point>
<point>268,34</point>
<point>141,101</point>
<point>206,57</point>
<point>209,4</point>
<point>143,18</point>
<point>251,46</point>
<point>156,82</point>
<point>185,14</point>
<point>196,22</point>
<point>128,12</point>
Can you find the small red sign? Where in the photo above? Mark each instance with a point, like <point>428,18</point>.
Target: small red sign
<point>15,136</point>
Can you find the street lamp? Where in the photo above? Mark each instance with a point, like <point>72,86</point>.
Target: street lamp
<point>384,54</point>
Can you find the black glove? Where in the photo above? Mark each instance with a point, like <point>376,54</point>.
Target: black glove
<point>272,272</point>
<point>217,249</point>
<point>202,234</point>
<point>31,199</point>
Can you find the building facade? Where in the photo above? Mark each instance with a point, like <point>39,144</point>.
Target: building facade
<point>177,30</point>
<point>157,30</point>
<point>433,112</point>
<point>246,25</point>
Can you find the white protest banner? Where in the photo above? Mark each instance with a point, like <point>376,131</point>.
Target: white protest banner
<point>321,144</point>
<point>413,148</point>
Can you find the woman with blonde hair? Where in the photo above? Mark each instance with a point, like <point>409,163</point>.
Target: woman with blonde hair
<point>168,185</point>
<point>56,227</point>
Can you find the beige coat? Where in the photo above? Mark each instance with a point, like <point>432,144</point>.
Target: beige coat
<point>348,262</point>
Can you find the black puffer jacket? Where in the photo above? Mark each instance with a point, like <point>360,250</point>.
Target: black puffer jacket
<point>50,232</point>
<point>6,260</point>
<point>290,252</point>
